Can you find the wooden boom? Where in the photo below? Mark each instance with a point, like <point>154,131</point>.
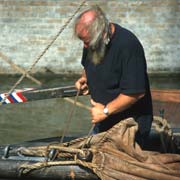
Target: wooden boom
<point>25,95</point>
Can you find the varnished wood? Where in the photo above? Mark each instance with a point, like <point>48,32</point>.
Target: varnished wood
<point>172,95</point>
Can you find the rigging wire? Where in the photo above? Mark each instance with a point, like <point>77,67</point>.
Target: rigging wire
<point>89,135</point>
<point>18,68</point>
<point>69,120</point>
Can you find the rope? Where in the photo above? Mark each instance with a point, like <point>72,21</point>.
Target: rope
<point>67,149</point>
<point>25,168</point>
<point>162,126</point>
<point>42,54</point>
<point>89,137</point>
<point>62,152</point>
<point>69,118</point>
<point>92,127</point>
<point>78,103</point>
<point>6,59</point>
<point>58,34</point>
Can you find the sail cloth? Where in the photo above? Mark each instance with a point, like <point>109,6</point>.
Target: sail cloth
<point>116,156</point>
<point>119,157</point>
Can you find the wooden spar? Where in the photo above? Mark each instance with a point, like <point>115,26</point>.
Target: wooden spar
<point>57,92</point>
<point>39,94</point>
<point>70,91</point>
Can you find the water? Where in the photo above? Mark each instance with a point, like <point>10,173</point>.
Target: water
<point>48,118</point>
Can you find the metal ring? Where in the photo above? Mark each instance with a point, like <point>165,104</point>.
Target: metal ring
<point>86,156</point>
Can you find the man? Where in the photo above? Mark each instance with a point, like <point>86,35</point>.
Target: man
<point>114,73</point>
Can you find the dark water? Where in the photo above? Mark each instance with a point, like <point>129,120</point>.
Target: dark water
<point>48,118</point>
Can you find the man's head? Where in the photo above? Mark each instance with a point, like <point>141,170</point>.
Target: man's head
<point>92,27</point>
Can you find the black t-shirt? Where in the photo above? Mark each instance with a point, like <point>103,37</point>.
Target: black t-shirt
<point>123,70</point>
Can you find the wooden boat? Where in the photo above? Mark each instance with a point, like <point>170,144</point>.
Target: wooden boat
<point>10,163</point>
<point>10,160</point>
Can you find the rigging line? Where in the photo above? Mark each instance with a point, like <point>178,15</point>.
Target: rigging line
<point>77,103</point>
<point>41,55</point>
<point>18,68</point>
<point>89,137</point>
<point>70,117</point>
<point>54,39</point>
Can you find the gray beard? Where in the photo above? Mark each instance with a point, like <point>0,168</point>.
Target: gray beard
<point>97,53</point>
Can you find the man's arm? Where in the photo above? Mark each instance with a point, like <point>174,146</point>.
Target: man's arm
<point>119,104</point>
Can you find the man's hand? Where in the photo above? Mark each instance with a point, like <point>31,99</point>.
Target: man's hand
<point>81,84</point>
<point>97,112</point>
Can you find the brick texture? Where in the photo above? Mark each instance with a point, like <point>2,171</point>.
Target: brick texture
<point>28,26</point>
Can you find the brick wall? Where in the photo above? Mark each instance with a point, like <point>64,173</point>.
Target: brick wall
<point>28,26</point>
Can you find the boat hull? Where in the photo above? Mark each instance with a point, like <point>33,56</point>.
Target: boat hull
<point>9,169</point>
<point>10,163</point>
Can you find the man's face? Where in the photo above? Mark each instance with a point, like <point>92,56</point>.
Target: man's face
<point>81,27</point>
<point>83,34</point>
<point>97,50</point>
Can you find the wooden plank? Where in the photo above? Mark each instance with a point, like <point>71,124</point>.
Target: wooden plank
<point>168,95</point>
